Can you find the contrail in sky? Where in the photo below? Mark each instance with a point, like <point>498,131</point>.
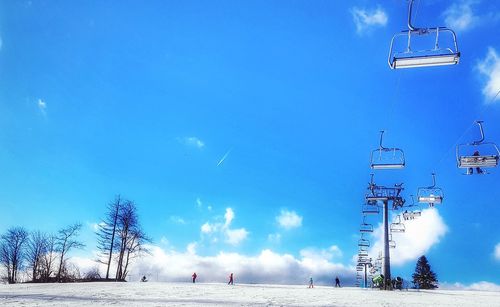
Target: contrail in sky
<point>224,157</point>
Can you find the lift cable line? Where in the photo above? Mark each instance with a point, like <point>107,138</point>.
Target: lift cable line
<point>436,56</point>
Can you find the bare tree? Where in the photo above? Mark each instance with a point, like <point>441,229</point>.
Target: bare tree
<point>106,233</point>
<point>48,260</point>
<point>135,247</point>
<point>65,241</point>
<point>131,239</point>
<point>127,220</point>
<point>12,248</point>
<point>36,248</point>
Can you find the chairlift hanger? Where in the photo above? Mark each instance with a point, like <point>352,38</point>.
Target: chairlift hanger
<point>387,158</point>
<point>436,56</point>
<point>430,195</point>
<point>478,159</point>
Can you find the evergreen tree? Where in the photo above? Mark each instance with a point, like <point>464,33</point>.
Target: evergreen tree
<point>424,277</point>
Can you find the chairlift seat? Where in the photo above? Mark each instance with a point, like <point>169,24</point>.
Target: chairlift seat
<point>397,227</point>
<point>379,166</point>
<point>364,242</point>
<point>366,228</point>
<point>425,60</point>
<point>478,161</point>
<point>387,158</point>
<point>411,215</point>
<point>370,209</point>
<point>392,244</point>
<point>431,199</point>
<point>376,198</point>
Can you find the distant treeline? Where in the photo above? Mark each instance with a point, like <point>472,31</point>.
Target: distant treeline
<point>43,257</point>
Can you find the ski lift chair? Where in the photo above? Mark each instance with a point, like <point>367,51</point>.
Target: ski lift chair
<point>477,154</point>
<point>363,242</point>
<point>436,56</point>
<point>362,253</point>
<point>430,195</point>
<point>365,227</point>
<point>363,249</point>
<point>412,211</point>
<point>397,226</point>
<point>392,243</point>
<point>370,208</point>
<point>387,158</point>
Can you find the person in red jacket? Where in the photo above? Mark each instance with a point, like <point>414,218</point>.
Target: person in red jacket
<point>194,277</point>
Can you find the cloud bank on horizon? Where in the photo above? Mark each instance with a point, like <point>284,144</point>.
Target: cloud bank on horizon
<point>420,235</point>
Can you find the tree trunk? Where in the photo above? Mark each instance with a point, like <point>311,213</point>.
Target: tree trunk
<point>112,239</point>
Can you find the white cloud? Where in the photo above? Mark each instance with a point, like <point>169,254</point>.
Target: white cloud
<point>229,216</point>
<point>164,241</point>
<point>460,17</point>
<point>191,248</point>
<point>489,67</point>
<point>321,254</point>
<point>193,141</point>
<point>236,236</point>
<point>477,286</point>
<point>265,267</point>
<point>289,219</point>
<point>207,228</point>
<point>224,231</point>
<point>96,226</point>
<point>420,235</point>
<point>367,19</point>
<point>177,220</point>
<point>198,202</point>
<point>274,237</point>
<point>42,106</point>
<point>496,253</point>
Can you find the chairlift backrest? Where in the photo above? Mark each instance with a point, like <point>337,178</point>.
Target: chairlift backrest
<point>435,56</point>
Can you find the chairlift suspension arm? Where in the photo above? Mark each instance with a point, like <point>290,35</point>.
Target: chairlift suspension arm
<point>480,123</point>
<point>381,137</point>
<point>410,9</point>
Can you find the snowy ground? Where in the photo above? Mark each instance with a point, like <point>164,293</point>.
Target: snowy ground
<point>186,294</point>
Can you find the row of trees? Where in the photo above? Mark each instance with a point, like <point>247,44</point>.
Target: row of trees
<point>43,255</point>
<point>120,237</point>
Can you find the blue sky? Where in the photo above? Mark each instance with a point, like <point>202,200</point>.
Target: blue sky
<point>143,100</point>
